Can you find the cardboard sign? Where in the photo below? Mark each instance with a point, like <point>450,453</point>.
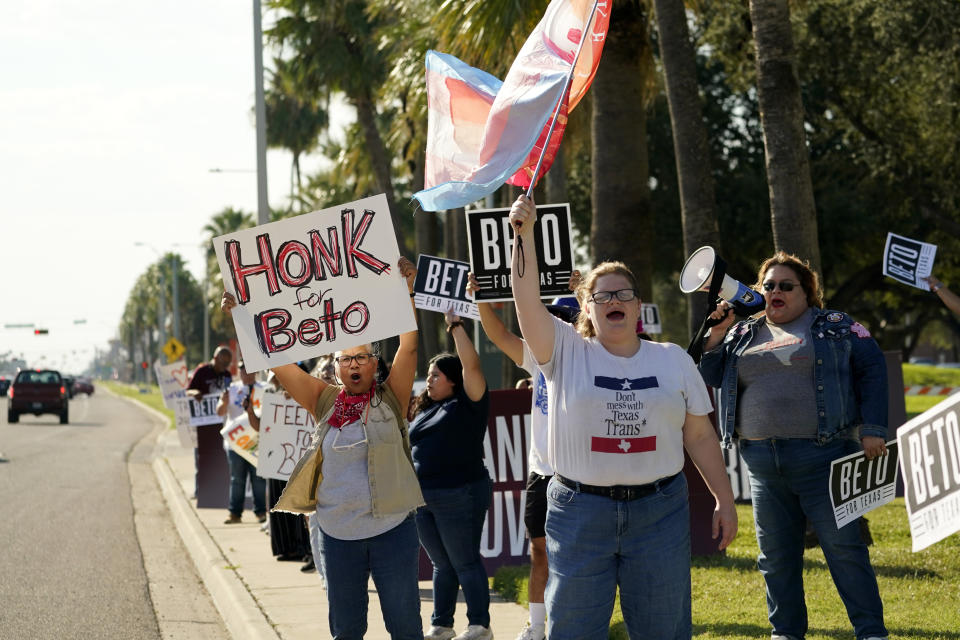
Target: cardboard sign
<point>242,438</point>
<point>858,485</point>
<point>204,411</point>
<point>490,238</point>
<point>650,316</point>
<point>173,379</point>
<point>441,284</point>
<point>908,261</point>
<point>286,432</point>
<point>315,283</point>
<point>186,433</point>
<point>930,464</point>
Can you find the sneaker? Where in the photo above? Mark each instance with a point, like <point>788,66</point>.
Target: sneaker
<point>476,632</point>
<point>233,519</point>
<point>261,517</point>
<point>440,633</point>
<point>308,566</point>
<point>533,632</point>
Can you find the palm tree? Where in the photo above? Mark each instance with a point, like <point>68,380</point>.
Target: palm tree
<point>622,224</point>
<point>293,122</point>
<point>793,212</point>
<point>334,48</point>
<point>226,221</point>
<point>698,213</point>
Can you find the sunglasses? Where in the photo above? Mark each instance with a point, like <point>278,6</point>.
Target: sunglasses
<point>623,295</point>
<point>785,285</point>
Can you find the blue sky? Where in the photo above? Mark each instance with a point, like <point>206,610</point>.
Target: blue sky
<point>112,114</point>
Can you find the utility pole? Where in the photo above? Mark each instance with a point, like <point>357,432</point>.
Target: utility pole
<point>263,206</point>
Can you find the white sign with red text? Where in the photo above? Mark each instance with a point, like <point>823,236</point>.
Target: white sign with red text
<point>286,431</point>
<point>315,283</point>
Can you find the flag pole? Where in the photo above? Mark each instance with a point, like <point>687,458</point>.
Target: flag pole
<point>566,87</point>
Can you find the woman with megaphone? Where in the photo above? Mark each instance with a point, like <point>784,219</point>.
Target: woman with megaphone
<point>800,386</point>
<point>620,412</point>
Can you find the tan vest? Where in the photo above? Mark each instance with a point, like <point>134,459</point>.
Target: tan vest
<point>393,482</point>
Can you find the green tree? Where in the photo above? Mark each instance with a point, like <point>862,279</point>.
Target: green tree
<point>226,221</point>
<point>293,121</point>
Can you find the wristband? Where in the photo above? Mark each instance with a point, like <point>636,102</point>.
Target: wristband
<point>413,293</point>
<point>454,325</point>
<point>936,287</point>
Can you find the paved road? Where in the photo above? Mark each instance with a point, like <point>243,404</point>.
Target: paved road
<point>71,564</point>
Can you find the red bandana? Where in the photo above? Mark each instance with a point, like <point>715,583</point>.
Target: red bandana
<point>348,408</point>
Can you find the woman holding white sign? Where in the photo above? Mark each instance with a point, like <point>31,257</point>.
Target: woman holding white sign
<point>800,386</point>
<point>359,480</point>
<point>621,411</point>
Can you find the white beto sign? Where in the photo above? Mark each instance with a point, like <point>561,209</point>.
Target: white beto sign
<point>858,485</point>
<point>315,283</point>
<point>930,464</point>
<point>441,284</point>
<point>490,238</point>
<point>908,261</point>
<point>186,433</point>
<point>286,431</point>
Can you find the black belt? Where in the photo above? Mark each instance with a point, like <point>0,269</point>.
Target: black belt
<point>617,491</point>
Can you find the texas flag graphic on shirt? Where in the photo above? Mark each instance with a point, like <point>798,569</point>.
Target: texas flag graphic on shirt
<point>623,444</point>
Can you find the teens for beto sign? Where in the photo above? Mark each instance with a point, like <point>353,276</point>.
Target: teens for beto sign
<point>315,283</point>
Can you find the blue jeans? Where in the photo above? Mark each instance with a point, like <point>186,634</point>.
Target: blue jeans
<point>450,526</point>
<point>789,483</point>
<point>595,544</point>
<point>392,559</point>
<point>239,470</point>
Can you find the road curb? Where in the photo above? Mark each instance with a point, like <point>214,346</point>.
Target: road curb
<point>241,614</point>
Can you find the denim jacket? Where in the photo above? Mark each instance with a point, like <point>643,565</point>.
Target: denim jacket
<point>850,376</point>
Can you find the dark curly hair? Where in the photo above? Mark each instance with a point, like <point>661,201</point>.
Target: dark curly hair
<point>450,365</point>
<point>808,278</point>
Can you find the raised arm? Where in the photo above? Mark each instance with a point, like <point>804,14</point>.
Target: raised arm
<point>404,367</point>
<point>536,325</point>
<point>949,298</point>
<point>303,387</point>
<point>474,382</point>
<point>493,326</point>
<point>700,441</point>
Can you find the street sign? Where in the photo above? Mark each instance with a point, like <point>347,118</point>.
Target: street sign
<point>173,349</point>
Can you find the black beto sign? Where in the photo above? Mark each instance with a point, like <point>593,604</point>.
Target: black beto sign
<point>491,248</point>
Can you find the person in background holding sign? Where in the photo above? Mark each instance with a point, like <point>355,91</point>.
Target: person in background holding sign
<point>235,404</point>
<point>949,298</point>
<point>209,377</point>
<point>446,436</point>
<point>359,479</point>
<point>798,386</point>
<point>535,505</point>
<point>621,411</point>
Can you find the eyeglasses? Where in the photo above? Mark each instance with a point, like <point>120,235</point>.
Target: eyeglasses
<point>347,447</point>
<point>786,285</point>
<point>361,358</point>
<point>623,295</point>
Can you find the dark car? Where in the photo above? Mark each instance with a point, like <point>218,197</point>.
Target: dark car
<point>83,385</point>
<point>38,391</point>
<point>4,385</point>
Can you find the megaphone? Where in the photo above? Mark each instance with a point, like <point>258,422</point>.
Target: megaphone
<point>701,272</point>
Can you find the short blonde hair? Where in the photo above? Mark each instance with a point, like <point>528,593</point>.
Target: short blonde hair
<point>805,274</point>
<point>585,288</point>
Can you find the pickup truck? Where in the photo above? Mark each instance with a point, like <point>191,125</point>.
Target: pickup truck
<point>37,391</point>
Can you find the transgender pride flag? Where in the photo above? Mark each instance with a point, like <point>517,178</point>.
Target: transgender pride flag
<point>482,132</point>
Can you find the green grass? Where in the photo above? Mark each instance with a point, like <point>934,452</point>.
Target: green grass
<point>148,394</point>
<point>921,591</point>
<point>927,375</point>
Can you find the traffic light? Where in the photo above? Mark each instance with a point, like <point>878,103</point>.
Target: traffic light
<point>40,332</point>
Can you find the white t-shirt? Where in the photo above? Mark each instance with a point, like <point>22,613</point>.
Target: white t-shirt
<point>616,420</point>
<point>537,458</point>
